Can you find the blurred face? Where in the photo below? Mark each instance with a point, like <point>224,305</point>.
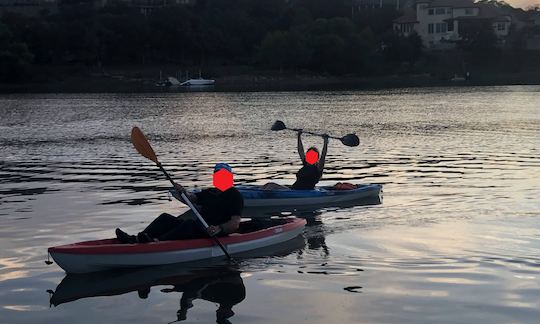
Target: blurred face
<point>312,156</point>
<point>223,179</point>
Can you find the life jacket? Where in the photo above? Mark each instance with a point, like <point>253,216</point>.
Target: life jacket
<point>344,186</point>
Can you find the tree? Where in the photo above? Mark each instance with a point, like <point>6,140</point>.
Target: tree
<point>284,50</point>
<point>478,37</point>
<point>15,58</point>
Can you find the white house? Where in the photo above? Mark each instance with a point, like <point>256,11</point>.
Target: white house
<point>438,22</point>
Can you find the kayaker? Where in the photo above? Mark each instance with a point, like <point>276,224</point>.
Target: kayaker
<point>220,209</point>
<point>311,172</point>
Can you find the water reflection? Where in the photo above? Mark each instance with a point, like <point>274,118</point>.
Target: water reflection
<point>222,285</point>
<point>226,289</point>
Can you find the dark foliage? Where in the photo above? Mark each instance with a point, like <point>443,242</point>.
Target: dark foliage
<point>15,58</point>
<point>320,36</point>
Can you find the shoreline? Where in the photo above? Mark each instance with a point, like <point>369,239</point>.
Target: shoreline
<point>259,83</point>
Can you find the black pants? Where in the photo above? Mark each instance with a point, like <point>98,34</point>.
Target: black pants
<point>168,228</point>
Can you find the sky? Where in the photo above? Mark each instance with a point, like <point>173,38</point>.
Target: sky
<point>523,3</point>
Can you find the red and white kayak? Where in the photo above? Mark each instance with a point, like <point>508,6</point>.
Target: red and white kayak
<point>110,254</point>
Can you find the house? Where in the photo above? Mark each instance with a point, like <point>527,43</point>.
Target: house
<point>532,40</point>
<point>535,18</point>
<point>28,7</point>
<point>378,4</point>
<point>148,6</point>
<point>440,22</point>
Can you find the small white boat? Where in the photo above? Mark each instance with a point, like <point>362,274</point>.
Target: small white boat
<point>110,254</point>
<point>457,78</point>
<point>169,82</point>
<point>198,82</point>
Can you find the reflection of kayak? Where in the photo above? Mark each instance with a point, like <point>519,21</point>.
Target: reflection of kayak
<point>111,283</point>
<point>77,286</point>
<point>108,254</point>
<point>256,197</point>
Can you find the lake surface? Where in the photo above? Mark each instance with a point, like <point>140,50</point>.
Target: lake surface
<point>456,238</point>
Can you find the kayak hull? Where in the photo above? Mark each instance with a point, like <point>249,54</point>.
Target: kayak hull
<point>110,254</point>
<point>256,197</point>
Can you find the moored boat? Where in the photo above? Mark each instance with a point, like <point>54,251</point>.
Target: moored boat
<point>110,254</point>
<point>198,82</point>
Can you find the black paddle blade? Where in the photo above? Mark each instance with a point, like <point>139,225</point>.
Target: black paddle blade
<point>278,125</point>
<point>350,140</point>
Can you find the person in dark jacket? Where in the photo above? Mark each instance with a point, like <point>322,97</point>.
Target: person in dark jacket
<point>221,210</point>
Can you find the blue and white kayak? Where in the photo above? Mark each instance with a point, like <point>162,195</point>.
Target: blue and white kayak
<point>254,196</point>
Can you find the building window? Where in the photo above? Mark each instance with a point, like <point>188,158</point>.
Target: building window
<point>406,28</point>
<point>450,26</point>
<point>440,11</point>
<point>440,28</point>
<point>468,11</point>
<point>430,29</point>
<point>430,12</point>
<point>449,11</point>
<point>501,26</point>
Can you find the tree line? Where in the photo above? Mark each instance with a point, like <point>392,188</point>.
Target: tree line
<point>318,36</point>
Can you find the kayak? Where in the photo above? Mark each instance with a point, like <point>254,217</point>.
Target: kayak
<point>118,282</point>
<point>91,256</point>
<point>254,196</point>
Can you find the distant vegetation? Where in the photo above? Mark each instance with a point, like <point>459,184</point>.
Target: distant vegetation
<point>314,36</point>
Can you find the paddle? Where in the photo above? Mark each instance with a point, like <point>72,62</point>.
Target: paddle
<point>349,139</point>
<point>143,147</point>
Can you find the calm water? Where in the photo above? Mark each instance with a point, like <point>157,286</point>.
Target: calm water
<point>456,238</point>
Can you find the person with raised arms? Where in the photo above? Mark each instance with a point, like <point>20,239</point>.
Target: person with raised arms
<point>312,166</point>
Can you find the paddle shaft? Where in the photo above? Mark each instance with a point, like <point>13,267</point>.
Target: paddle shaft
<point>190,205</point>
<point>145,149</point>
<point>312,133</point>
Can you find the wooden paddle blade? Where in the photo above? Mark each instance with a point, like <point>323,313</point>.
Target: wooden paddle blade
<point>278,125</point>
<point>142,145</point>
<point>350,140</point>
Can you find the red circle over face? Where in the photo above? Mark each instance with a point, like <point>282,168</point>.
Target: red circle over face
<point>223,179</point>
<point>312,157</point>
